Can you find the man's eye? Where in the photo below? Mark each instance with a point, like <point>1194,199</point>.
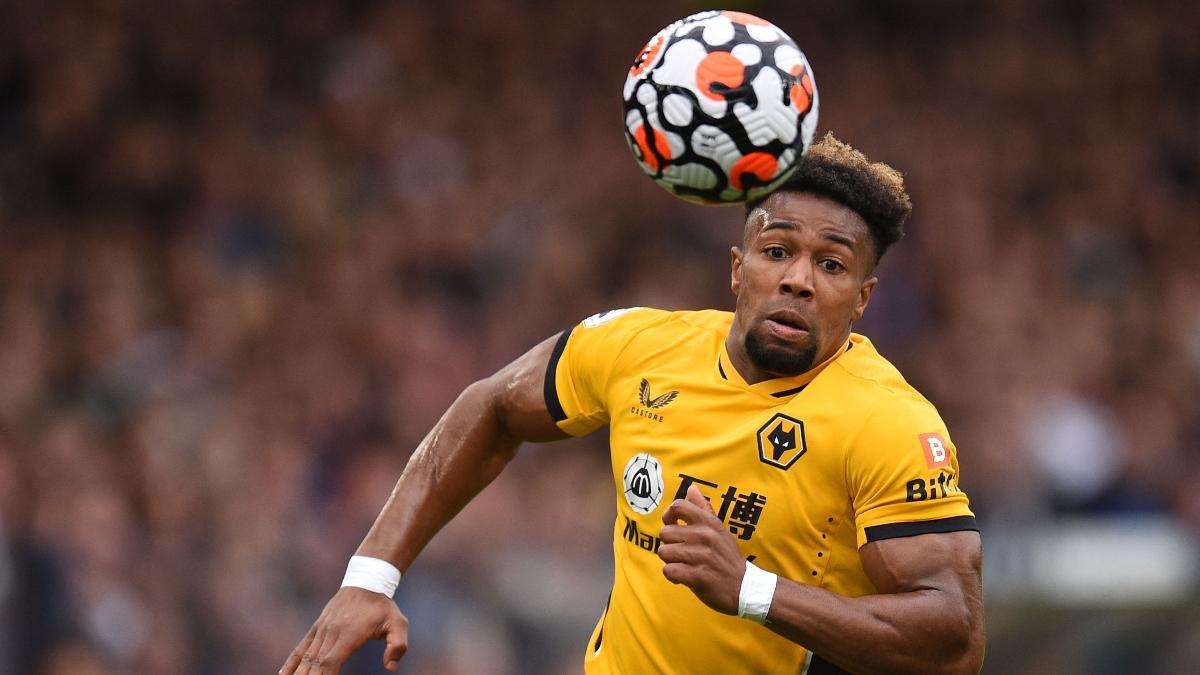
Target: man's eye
<point>776,253</point>
<point>831,266</point>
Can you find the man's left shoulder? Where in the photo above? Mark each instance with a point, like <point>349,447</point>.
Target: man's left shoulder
<point>863,368</point>
<point>867,385</point>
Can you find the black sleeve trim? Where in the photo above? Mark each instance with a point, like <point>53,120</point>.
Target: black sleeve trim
<point>819,666</point>
<point>895,530</point>
<point>549,391</point>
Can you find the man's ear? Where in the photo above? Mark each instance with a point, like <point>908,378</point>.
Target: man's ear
<point>735,263</point>
<point>864,297</point>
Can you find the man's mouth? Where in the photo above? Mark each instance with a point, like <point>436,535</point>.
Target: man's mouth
<point>787,324</point>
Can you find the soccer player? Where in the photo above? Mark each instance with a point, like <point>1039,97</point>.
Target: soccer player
<point>786,502</point>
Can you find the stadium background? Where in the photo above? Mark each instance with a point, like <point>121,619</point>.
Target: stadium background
<point>250,251</point>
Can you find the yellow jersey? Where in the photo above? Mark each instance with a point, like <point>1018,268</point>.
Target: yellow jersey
<point>804,470</point>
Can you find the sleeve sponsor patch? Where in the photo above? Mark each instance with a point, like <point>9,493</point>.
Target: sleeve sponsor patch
<point>891,481</point>
<point>937,453</point>
<point>921,489</point>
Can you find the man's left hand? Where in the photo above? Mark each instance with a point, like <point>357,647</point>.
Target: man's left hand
<point>701,553</point>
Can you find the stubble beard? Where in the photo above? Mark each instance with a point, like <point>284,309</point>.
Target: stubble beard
<point>779,360</point>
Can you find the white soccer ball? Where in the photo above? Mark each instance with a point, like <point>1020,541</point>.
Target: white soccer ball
<point>720,107</point>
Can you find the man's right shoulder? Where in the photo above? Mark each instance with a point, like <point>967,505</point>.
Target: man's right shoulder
<point>632,321</point>
<point>621,317</point>
<point>615,346</point>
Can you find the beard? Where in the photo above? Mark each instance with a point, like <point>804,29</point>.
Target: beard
<point>784,361</point>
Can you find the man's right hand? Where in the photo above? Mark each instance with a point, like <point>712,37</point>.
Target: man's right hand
<point>352,617</point>
<point>466,449</point>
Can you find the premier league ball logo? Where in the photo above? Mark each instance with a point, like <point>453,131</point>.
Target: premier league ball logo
<point>643,482</point>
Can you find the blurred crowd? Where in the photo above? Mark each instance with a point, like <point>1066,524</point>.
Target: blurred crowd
<point>249,252</point>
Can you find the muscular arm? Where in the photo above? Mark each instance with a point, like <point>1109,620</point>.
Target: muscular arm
<point>462,454</point>
<point>926,618</point>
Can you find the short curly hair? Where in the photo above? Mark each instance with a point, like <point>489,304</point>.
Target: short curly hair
<point>875,191</point>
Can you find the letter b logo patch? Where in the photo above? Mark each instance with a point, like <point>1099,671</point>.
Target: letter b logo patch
<point>937,451</point>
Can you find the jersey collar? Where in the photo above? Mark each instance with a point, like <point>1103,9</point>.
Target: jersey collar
<point>777,388</point>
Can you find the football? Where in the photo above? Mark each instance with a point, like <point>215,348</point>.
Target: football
<point>720,107</point>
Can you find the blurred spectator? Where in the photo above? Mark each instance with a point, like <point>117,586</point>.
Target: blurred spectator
<point>250,255</point>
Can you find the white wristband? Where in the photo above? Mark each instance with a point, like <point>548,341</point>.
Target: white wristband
<point>758,589</point>
<point>372,574</point>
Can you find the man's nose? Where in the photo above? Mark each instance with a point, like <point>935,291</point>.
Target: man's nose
<point>798,279</point>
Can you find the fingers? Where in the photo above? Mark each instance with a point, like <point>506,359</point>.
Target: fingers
<point>351,618</point>
<point>293,661</point>
<point>333,653</point>
<point>394,651</point>
<point>309,664</point>
<point>315,666</point>
<point>397,641</point>
<point>681,553</point>
<point>688,512</point>
<point>327,654</point>
<point>679,573</point>
<point>673,534</point>
<point>708,536</point>
<point>694,496</point>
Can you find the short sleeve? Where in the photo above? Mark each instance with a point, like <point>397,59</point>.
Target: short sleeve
<point>903,474</point>
<point>582,364</point>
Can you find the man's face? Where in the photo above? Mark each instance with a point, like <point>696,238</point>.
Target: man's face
<point>802,275</point>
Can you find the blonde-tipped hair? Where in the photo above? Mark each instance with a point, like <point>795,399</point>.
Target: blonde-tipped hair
<point>874,190</point>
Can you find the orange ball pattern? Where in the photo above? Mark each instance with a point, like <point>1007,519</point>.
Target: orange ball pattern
<point>720,107</point>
